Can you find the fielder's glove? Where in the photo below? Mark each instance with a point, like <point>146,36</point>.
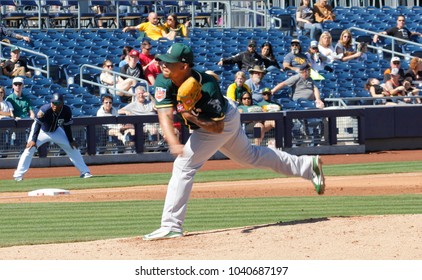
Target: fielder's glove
<point>188,95</point>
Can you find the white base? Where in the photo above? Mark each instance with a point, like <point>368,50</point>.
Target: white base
<point>48,192</point>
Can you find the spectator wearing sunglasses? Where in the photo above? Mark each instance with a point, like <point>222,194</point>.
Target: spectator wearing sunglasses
<point>22,107</point>
<point>150,66</point>
<point>394,63</point>
<point>399,31</point>
<point>344,48</point>
<point>174,28</point>
<point>115,81</point>
<point>245,60</point>
<point>318,61</point>
<point>295,60</point>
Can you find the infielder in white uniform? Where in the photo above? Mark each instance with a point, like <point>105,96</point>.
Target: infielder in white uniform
<point>52,124</point>
<point>216,126</point>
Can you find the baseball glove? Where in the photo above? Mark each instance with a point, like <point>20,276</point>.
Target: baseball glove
<point>188,95</point>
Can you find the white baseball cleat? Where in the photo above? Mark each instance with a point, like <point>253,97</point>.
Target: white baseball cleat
<point>162,234</point>
<point>18,179</point>
<point>86,175</point>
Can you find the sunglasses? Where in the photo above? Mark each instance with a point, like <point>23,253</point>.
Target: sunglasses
<point>246,98</point>
<point>252,46</point>
<point>57,103</point>
<point>396,62</point>
<point>295,45</point>
<point>109,65</point>
<point>17,84</point>
<point>170,19</point>
<point>266,93</point>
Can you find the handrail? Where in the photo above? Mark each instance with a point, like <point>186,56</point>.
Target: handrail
<point>341,100</point>
<point>47,72</point>
<point>115,76</point>
<point>393,39</point>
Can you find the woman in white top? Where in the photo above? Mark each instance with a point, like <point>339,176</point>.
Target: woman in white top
<point>6,108</point>
<point>325,47</point>
<point>108,79</point>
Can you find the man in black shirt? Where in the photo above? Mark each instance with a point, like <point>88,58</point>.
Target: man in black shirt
<point>244,60</point>
<point>400,32</point>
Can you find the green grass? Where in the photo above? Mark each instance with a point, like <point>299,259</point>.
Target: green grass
<point>127,180</point>
<point>36,223</point>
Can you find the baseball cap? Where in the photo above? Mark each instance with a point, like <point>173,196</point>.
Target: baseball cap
<point>257,68</point>
<point>314,44</point>
<point>57,97</point>
<point>252,43</point>
<point>15,48</point>
<point>266,90</point>
<point>134,53</point>
<point>395,71</point>
<point>295,41</point>
<point>178,52</point>
<point>394,59</point>
<point>17,80</point>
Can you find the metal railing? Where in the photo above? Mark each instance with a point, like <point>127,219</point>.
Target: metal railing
<point>393,43</point>
<point>115,78</point>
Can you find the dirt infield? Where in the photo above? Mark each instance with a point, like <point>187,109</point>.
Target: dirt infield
<point>380,237</point>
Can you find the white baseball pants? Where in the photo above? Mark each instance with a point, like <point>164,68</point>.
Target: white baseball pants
<point>58,137</point>
<point>234,143</point>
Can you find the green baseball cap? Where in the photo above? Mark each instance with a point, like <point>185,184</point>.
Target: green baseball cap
<point>177,53</point>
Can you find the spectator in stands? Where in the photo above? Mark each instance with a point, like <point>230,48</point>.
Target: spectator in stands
<point>144,104</point>
<point>378,91</point>
<point>302,87</point>
<point>414,73</point>
<point>394,63</point>
<point>397,88</point>
<point>16,65</point>
<point>246,105</point>
<point>133,68</point>
<point>318,61</point>
<point>256,83</point>
<point>344,48</point>
<point>325,47</point>
<point>6,108</point>
<point>152,28</point>
<point>108,79</point>
<point>174,28</point>
<point>9,33</point>
<point>235,90</point>
<point>305,19</point>
<point>118,130</point>
<point>244,60</point>
<point>295,60</point>
<point>22,108</point>
<point>400,32</point>
<point>268,58</point>
<point>124,58</point>
<point>323,11</point>
<point>150,66</point>
<point>268,105</point>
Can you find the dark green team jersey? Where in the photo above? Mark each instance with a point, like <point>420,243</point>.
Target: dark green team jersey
<point>212,104</point>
